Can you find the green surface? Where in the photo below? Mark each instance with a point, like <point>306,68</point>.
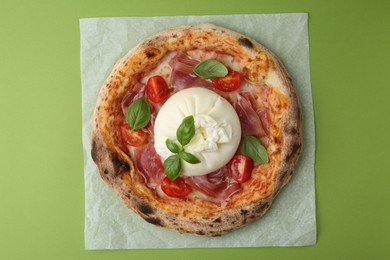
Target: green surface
<point>41,189</point>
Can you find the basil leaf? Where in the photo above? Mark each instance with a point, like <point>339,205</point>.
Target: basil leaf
<point>253,148</point>
<point>210,69</point>
<point>172,146</point>
<point>186,130</point>
<point>172,167</point>
<point>188,157</point>
<point>138,114</point>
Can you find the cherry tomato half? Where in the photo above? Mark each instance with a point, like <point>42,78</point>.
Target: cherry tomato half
<point>133,137</point>
<point>230,82</point>
<point>157,89</point>
<point>177,188</point>
<point>240,168</point>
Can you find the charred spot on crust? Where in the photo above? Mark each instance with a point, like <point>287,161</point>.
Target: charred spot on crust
<point>150,54</point>
<point>283,175</point>
<point>154,221</point>
<point>94,151</point>
<point>120,166</point>
<point>218,220</point>
<point>295,149</point>
<point>243,212</point>
<point>292,131</point>
<point>262,207</point>
<point>200,232</point>
<point>245,42</point>
<point>145,209</point>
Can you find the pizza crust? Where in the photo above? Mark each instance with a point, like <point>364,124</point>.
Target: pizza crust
<point>116,168</point>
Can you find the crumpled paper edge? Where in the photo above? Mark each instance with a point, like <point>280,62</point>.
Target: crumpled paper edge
<point>115,226</point>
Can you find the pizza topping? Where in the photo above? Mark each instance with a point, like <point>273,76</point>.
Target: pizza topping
<point>138,114</point>
<point>216,185</point>
<point>264,118</point>
<point>186,130</point>
<point>149,164</point>
<point>184,134</point>
<point>240,168</point>
<point>250,120</point>
<point>176,189</point>
<point>133,137</point>
<point>135,93</point>
<point>182,75</point>
<point>253,148</point>
<point>157,89</point>
<point>209,69</point>
<point>216,136</point>
<point>209,134</point>
<point>229,83</point>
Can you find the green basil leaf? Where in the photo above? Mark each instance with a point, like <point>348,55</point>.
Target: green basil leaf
<point>253,148</point>
<point>138,114</point>
<point>172,146</point>
<point>188,157</point>
<point>186,130</point>
<point>210,69</point>
<point>172,167</point>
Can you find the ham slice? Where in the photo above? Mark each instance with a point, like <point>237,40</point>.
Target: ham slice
<point>250,120</point>
<point>149,164</point>
<point>182,75</point>
<point>264,118</point>
<point>135,92</point>
<point>261,112</point>
<point>215,185</point>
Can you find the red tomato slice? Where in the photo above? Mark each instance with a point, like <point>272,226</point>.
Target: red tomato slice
<point>230,82</point>
<point>133,137</point>
<point>240,168</point>
<point>157,89</point>
<point>177,188</point>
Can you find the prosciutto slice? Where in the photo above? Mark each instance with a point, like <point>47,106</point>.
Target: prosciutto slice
<point>135,92</point>
<point>264,118</point>
<point>250,120</point>
<point>216,184</point>
<point>149,164</point>
<point>182,75</point>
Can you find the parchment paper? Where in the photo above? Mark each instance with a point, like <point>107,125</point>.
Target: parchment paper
<point>109,224</point>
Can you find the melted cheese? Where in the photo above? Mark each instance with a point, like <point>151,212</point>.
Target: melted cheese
<point>218,129</point>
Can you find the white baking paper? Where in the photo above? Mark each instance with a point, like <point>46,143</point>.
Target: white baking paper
<point>109,224</point>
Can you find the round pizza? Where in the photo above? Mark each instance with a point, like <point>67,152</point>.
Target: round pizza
<point>197,129</point>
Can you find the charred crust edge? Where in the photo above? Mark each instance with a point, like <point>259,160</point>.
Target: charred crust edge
<point>150,54</point>
<point>145,209</point>
<point>245,42</point>
<point>94,151</point>
<point>295,151</point>
<point>154,221</point>
<point>120,166</point>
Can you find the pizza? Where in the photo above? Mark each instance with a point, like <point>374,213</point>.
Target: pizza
<point>197,129</point>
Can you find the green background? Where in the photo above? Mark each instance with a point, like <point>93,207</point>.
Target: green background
<point>42,184</point>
